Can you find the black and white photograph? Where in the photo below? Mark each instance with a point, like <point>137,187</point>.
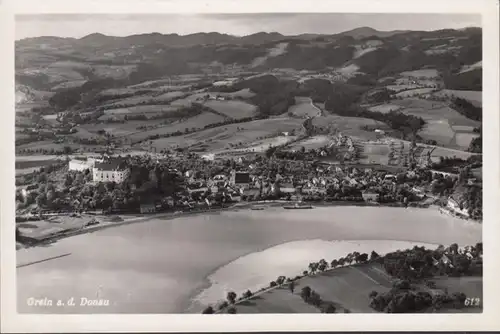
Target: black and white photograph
<point>249,163</point>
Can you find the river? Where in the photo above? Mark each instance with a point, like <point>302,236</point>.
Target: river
<point>174,265</point>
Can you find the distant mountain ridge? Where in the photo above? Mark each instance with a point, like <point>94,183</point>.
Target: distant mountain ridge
<point>98,39</point>
<point>44,62</point>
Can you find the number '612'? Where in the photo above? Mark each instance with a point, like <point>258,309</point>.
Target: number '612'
<point>472,301</point>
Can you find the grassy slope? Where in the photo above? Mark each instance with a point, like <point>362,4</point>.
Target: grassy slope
<point>348,288</point>
<point>219,137</point>
<point>233,109</point>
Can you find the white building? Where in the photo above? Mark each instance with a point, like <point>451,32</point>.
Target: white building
<point>209,157</point>
<point>114,170</point>
<point>79,165</point>
<point>83,164</point>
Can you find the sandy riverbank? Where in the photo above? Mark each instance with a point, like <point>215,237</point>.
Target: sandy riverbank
<point>159,265</point>
<point>255,271</point>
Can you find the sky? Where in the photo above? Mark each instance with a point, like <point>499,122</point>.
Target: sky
<point>79,25</point>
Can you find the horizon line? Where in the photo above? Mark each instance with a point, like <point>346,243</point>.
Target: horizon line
<point>242,36</point>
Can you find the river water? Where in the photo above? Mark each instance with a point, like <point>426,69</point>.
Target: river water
<point>178,265</point>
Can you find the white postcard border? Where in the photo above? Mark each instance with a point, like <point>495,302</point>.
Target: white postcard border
<point>488,320</point>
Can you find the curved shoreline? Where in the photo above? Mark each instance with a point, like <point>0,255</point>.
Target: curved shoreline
<point>177,257</point>
<point>242,205</point>
<point>331,246</point>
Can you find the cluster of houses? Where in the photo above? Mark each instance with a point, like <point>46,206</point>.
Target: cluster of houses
<point>246,182</point>
<point>371,184</point>
<point>447,256</point>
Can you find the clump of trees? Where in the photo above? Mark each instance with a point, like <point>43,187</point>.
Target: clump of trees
<point>420,263</point>
<point>476,145</point>
<point>231,297</point>
<point>313,298</point>
<point>402,299</point>
<point>467,109</point>
<point>208,310</point>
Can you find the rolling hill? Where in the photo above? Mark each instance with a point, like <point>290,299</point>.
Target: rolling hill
<point>348,74</point>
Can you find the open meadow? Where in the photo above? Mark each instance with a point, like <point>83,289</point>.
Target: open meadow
<point>474,97</point>
<point>311,143</point>
<point>304,108</point>
<point>233,109</point>
<point>222,137</point>
<point>45,145</point>
<point>443,124</point>
<point>423,73</point>
<point>351,126</point>
<point>261,145</point>
<point>149,110</point>
<point>415,92</point>
<point>348,289</point>
<point>195,122</point>
<point>385,108</point>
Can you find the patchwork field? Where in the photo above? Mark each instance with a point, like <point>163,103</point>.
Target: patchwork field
<point>45,145</point>
<point>117,129</point>
<point>415,92</point>
<point>304,108</point>
<point>22,164</point>
<point>438,152</point>
<point>385,108</point>
<point>440,131</point>
<point>196,122</point>
<point>115,72</point>
<point>122,91</point>
<point>431,110</point>
<point>262,145</point>
<point>133,100</point>
<point>233,109</point>
<point>350,126</point>
<point>219,138</point>
<point>311,143</point>
<point>69,84</point>
<point>397,88</point>
<point>163,83</point>
<point>464,139</point>
<point>244,94</point>
<point>423,73</point>
<point>474,97</point>
<point>29,95</point>
<point>82,133</point>
<point>442,122</point>
<point>27,106</point>
<point>187,101</point>
<point>149,97</point>
<point>463,128</point>
<point>146,109</point>
<point>169,96</point>
<point>56,75</point>
<point>69,64</point>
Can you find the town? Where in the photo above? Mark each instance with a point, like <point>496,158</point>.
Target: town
<point>156,182</point>
<point>337,172</point>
